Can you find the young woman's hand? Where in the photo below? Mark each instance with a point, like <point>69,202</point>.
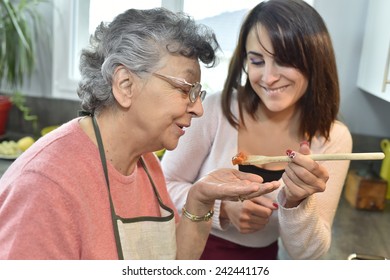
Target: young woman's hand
<point>250,215</point>
<point>303,177</point>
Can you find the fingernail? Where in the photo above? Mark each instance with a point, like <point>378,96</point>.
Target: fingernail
<point>290,153</point>
<point>275,205</point>
<point>304,143</point>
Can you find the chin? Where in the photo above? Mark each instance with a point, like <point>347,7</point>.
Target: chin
<point>171,146</point>
<point>275,107</point>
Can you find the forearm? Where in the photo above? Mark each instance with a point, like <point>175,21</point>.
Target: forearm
<point>303,233</point>
<point>191,236</point>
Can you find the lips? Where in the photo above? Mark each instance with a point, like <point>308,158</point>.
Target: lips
<point>183,127</point>
<point>274,90</point>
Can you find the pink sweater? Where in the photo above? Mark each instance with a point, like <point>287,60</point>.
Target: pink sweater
<point>54,200</point>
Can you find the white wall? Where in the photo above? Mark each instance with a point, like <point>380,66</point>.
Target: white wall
<point>363,113</point>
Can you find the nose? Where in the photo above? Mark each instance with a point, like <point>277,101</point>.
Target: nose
<point>270,73</point>
<point>196,108</point>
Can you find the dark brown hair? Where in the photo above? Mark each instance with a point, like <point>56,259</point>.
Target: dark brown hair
<point>301,40</point>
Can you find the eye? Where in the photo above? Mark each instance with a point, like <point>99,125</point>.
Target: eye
<point>182,90</point>
<point>179,87</point>
<point>256,61</point>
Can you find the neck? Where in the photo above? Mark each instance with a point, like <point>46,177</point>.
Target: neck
<point>283,119</point>
<point>118,147</point>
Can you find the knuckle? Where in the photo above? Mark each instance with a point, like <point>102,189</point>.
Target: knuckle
<point>326,178</point>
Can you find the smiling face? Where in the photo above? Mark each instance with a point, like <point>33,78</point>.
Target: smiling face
<point>278,86</point>
<point>162,110</point>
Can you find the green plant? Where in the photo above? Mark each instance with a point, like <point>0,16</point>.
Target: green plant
<point>19,22</point>
<point>20,25</point>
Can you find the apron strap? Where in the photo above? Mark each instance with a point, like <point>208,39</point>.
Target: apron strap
<point>104,165</point>
<point>162,205</point>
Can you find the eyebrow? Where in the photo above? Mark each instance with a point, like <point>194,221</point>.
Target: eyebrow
<point>254,53</point>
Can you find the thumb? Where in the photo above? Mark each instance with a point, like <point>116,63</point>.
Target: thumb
<point>304,148</point>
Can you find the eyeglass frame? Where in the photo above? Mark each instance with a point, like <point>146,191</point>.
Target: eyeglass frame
<point>193,93</point>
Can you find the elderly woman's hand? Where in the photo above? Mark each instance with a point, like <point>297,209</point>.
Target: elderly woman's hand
<point>303,177</point>
<point>229,184</point>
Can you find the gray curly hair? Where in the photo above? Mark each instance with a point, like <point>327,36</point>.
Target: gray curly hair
<point>138,40</point>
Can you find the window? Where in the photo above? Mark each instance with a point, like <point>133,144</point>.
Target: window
<point>226,21</point>
<point>75,20</point>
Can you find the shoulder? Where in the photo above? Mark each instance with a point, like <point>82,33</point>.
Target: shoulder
<point>216,98</point>
<point>213,104</point>
<point>340,131</point>
<point>340,139</point>
<point>209,121</point>
<point>339,127</point>
<point>62,144</point>
<point>56,156</point>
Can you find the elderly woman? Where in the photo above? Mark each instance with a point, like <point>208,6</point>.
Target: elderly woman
<point>93,189</point>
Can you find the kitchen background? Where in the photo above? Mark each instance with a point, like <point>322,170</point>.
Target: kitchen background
<point>364,113</point>
<point>367,114</point>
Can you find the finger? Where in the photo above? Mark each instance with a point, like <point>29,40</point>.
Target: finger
<point>242,191</point>
<point>252,225</point>
<point>248,176</point>
<point>233,191</point>
<point>256,221</point>
<point>266,202</point>
<point>299,174</point>
<point>304,165</point>
<point>250,229</point>
<point>316,178</point>
<point>300,181</point>
<point>293,191</point>
<point>263,189</point>
<point>231,184</point>
<point>256,211</point>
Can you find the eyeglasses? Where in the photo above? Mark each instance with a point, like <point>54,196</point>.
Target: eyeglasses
<point>193,90</point>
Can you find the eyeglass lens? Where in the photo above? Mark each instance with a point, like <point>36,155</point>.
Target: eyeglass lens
<point>195,92</point>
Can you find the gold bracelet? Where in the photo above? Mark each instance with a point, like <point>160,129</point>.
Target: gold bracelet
<point>196,218</point>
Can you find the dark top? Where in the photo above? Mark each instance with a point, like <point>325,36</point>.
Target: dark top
<point>268,175</point>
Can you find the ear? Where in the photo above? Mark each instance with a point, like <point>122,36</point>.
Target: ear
<point>122,86</point>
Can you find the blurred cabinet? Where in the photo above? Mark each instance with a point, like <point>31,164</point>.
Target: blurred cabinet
<point>374,65</point>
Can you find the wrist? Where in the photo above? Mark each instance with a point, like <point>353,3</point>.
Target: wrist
<point>288,202</point>
<point>197,197</point>
<point>196,218</point>
<point>291,204</point>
